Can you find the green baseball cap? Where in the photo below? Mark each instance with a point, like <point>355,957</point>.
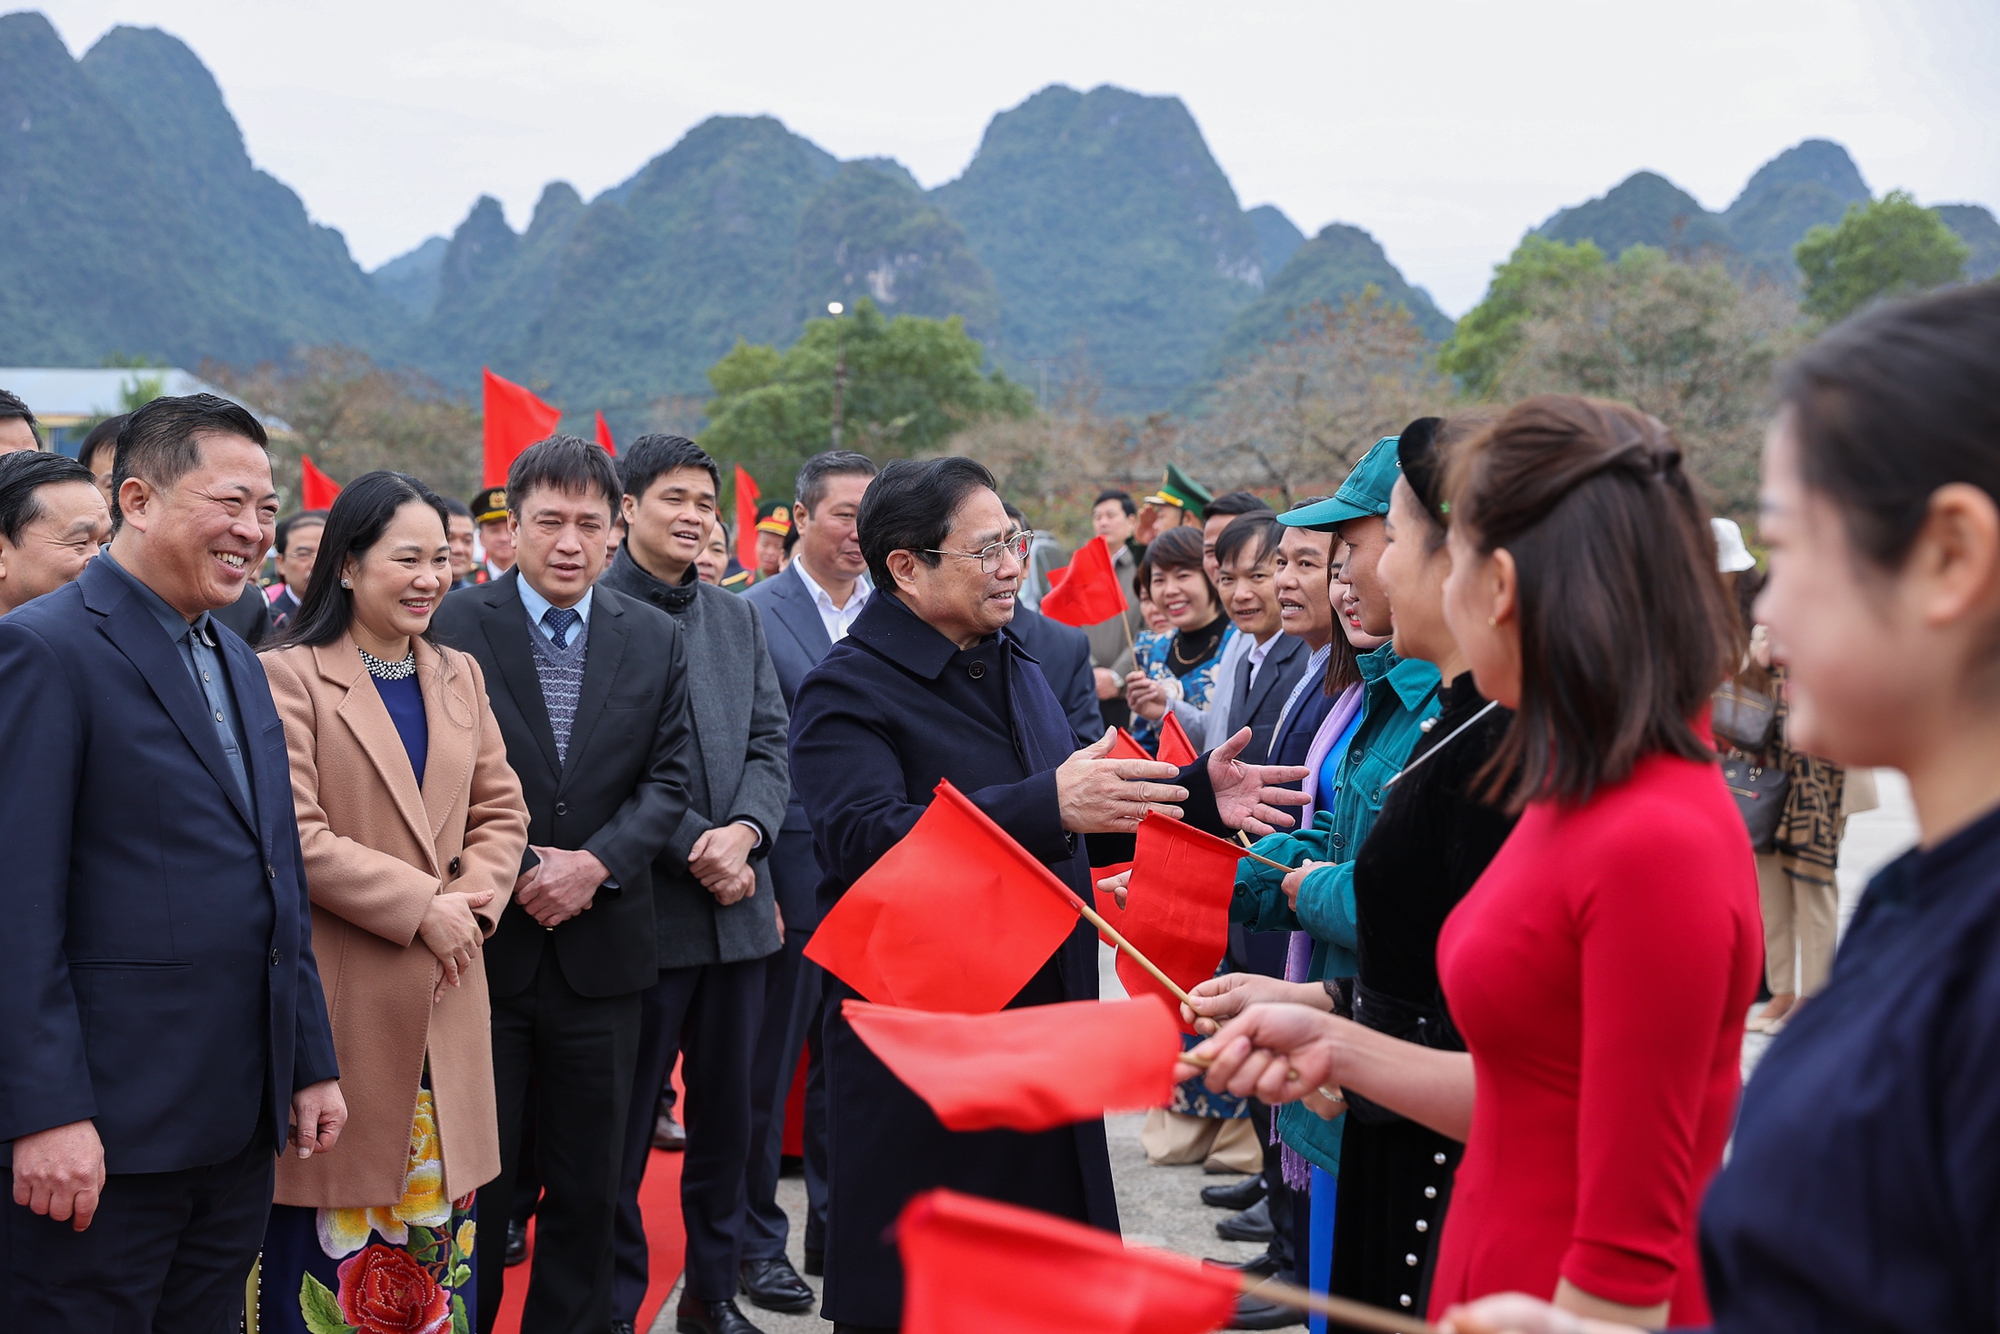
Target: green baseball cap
<point>1180,491</point>
<point>1365,492</point>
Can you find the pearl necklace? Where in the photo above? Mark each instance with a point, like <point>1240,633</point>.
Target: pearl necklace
<point>389,671</point>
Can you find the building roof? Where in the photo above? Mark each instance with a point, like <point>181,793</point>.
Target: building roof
<point>64,396</point>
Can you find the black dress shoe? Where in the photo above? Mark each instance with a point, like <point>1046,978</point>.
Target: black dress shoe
<point>722,1317</point>
<point>816,1261</point>
<point>1253,1224</point>
<point>1239,1196</point>
<point>1252,1313</point>
<point>775,1285</point>
<point>1262,1265</point>
<point>517,1244</point>
<point>667,1133</point>
<point>621,1327</point>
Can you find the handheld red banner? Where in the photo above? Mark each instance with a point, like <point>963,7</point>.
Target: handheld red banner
<point>515,419</point>
<point>746,519</point>
<point>1126,748</point>
<point>316,490</point>
<point>1175,748</point>
<point>1029,1069</point>
<point>604,440</point>
<point>1176,906</point>
<point>976,1264</point>
<point>957,916</point>
<point>1089,593</point>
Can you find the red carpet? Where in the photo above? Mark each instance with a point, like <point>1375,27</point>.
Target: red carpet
<point>666,1242</point>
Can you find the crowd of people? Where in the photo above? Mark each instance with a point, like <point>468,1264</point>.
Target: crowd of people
<point>356,919</point>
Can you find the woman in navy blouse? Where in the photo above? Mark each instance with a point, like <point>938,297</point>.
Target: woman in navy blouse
<point>1863,1190</point>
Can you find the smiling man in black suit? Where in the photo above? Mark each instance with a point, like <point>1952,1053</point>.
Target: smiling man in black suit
<point>590,688</point>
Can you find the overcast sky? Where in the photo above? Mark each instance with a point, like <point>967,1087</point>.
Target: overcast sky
<point>1445,127</point>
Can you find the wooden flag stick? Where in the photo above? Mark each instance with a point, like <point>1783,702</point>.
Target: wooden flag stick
<point>1244,839</point>
<point>1110,933</point>
<point>1355,1314</point>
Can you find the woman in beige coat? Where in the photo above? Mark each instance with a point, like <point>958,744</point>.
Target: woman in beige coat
<point>413,829</point>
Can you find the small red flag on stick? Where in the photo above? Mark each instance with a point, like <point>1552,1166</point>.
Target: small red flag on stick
<point>746,519</point>
<point>316,489</point>
<point>1029,1069</point>
<point>515,419</point>
<point>1176,905</point>
<point>973,1264</point>
<point>1088,593</point>
<point>957,916</point>
<point>1175,748</point>
<point>604,440</point>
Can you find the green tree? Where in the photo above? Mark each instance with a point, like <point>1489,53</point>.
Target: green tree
<point>1490,334</point>
<point>1892,246</point>
<point>910,383</point>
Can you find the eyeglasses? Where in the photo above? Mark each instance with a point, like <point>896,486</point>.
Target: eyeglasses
<point>989,556</point>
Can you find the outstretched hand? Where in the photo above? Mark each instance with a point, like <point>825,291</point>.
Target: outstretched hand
<point>1247,796</point>
<point>1096,795</point>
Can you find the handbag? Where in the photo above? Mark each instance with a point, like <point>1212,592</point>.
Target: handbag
<point>1745,719</point>
<point>1760,797</point>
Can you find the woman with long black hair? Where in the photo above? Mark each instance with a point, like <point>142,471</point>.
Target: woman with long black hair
<point>413,829</point>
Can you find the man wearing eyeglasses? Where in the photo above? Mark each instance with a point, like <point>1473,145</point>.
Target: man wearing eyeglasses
<point>931,684</point>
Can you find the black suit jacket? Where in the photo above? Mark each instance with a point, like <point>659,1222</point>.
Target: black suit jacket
<point>1063,653</point>
<point>1284,664</point>
<point>620,793</point>
<point>158,974</point>
<point>797,640</point>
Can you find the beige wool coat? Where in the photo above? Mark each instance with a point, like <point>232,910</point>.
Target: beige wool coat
<point>377,849</point>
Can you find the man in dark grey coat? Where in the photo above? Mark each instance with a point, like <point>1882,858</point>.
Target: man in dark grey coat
<point>712,890</point>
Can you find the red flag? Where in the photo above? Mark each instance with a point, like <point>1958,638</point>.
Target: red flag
<point>974,1264</point>
<point>1175,748</point>
<point>957,916</point>
<point>316,489</point>
<point>1089,592</point>
<point>515,419</point>
<point>1176,905</point>
<point>746,519</point>
<point>604,439</point>
<point>1029,1069</point>
<point>1126,748</point>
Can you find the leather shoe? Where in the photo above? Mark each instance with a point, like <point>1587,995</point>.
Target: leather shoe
<point>1253,1224</point>
<point>1239,1196</point>
<point>816,1261</point>
<point>775,1285</point>
<point>621,1327</point>
<point>721,1317</point>
<point>1262,1265</point>
<point>668,1134</point>
<point>1254,1314</point>
<point>517,1244</point>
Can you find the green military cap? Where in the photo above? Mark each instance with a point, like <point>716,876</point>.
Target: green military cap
<point>490,505</point>
<point>1365,492</point>
<point>1182,492</point>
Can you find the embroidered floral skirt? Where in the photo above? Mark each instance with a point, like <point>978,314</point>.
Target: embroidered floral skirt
<point>407,1268</point>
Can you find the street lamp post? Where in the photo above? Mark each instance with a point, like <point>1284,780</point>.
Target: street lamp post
<point>834,308</point>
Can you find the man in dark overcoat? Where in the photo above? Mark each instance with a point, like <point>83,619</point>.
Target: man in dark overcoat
<point>929,685</point>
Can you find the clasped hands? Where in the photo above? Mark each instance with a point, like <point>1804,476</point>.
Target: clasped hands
<point>720,859</point>
<point>563,884</point>
<point>1104,796</point>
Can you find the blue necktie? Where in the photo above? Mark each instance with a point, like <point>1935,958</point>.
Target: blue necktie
<point>560,620</point>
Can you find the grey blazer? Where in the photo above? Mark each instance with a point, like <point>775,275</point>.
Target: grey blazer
<point>739,768</point>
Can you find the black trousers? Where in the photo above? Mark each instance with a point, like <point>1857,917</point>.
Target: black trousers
<point>791,1023</point>
<point>167,1253</point>
<point>576,1054</point>
<point>709,1015</point>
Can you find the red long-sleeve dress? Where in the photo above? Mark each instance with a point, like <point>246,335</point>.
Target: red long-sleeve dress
<point>1600,972</point>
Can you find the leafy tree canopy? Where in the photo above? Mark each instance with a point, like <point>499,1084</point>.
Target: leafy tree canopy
<point>910,383</point>
<point>1489,335</point>
<point>1892,246</point>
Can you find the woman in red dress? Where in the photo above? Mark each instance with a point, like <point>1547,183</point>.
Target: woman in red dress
<point>1601,968</point>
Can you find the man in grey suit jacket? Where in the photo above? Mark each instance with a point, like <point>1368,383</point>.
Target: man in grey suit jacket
<point>717,911</point>
<point>805,609</point>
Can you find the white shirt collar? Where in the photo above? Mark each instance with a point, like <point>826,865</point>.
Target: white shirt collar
<point>837,620</point>
<point>537,606</point>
